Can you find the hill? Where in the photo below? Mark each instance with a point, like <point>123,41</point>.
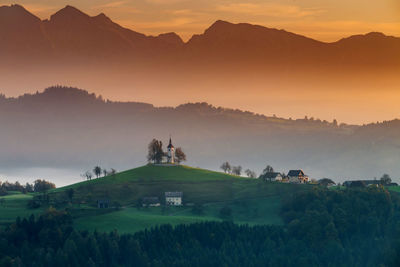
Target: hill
<point>205,193</point>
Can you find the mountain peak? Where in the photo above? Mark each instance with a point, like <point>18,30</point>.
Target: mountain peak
<point>68,12</point>
<point>16,13</point>
<point>171,38</point>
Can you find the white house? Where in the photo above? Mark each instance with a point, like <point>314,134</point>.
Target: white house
<point>171,153</point>
<point>297,177</point>
<point>173,198</point>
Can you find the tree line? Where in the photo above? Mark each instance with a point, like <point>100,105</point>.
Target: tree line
<point>38,185</point>
<point>237,170</point>
<point>98,172</point>
<point>321,228</point>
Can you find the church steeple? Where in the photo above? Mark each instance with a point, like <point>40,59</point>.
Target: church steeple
<point>171,152</point>
<point>170,143</point>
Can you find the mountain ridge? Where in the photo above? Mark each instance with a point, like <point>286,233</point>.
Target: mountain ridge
<point>101,30</point>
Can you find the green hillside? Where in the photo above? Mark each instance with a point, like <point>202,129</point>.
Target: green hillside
<point>205,193</point>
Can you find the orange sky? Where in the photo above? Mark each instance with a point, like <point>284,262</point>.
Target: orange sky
<point>327,20</point>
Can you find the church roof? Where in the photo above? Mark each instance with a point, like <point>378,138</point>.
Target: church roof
<point>170,144</point>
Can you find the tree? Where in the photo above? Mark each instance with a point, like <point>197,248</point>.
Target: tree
<point>326,182</point>
<point>70,193</point>
<point>237,170</point>
<point>226,167</point>
<point>156,152</point>
<point>113,172</point>
<point>179,155</point>
<point>105,172</point>
<point>250,173</point>
<point>97,171</point>
<point>42,185</point>
<point>88,175</point>
<point>385,179</point>
<point>268,169</point>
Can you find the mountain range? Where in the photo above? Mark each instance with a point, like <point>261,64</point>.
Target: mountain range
<point>70,35</point>
<point>69,128</point>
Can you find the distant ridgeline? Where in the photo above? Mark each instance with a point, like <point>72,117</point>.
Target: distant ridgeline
<point>117,133</point>
<point>322,228</point>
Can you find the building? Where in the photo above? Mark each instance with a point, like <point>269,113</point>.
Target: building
<point>150,202</point>
<point>297,177</point>
<point>171,153</point>
<point>103,204</point>
<point>272,177</point>
<point>173,198</point>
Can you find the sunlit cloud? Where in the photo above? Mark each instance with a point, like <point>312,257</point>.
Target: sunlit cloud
<point>112,4</point>
<point>270,9</point>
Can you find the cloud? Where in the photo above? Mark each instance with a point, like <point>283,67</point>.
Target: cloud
<point>270,9</point>
<point>166,2</point>
<point>112,4</point>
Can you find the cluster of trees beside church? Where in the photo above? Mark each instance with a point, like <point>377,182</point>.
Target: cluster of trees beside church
<point>321,228</point>
<point>38,185</point>
<point>156,153</point>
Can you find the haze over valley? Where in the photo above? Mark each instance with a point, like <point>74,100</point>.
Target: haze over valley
<point>71,130</point>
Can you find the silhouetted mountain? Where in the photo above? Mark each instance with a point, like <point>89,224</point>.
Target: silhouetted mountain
<point>71,128</point>
<point>72,35</point>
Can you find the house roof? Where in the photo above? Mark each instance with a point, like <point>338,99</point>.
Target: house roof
<point>272,175</point>
<point>173,194</point>
<point>296,173</point>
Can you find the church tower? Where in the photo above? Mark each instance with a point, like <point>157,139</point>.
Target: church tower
<point>171,152</point>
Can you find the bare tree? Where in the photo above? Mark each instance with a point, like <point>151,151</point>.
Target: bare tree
<point>113,171</point>
<point>226,167</point>
<point>179,155</point>
<point>88,175</point>
<point>155,153</point>
<point>237,170</point>
<point>250,173</point>
<point>97,171</point>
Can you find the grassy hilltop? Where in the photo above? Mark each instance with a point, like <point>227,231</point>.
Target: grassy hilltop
<point>251,201</point>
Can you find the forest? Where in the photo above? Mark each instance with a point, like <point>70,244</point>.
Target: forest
<point>322,227</point>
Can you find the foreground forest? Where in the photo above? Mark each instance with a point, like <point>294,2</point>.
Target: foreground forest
<point>68,128</point>
<point>358,227</point>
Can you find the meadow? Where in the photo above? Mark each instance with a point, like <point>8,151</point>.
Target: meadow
<point>205,193</point>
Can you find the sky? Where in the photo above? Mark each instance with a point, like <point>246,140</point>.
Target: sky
<point>327,20</point>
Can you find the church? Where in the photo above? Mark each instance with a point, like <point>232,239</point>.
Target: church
<point>170,153</point>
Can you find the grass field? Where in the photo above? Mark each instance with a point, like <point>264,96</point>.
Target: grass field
<point>14,205</point>
<point>394,188</point>
<point>251,201</point>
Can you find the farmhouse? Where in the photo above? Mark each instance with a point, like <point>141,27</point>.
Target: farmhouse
<point>272,176</point>
<point>297,177</point>
<point>173,198</point>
